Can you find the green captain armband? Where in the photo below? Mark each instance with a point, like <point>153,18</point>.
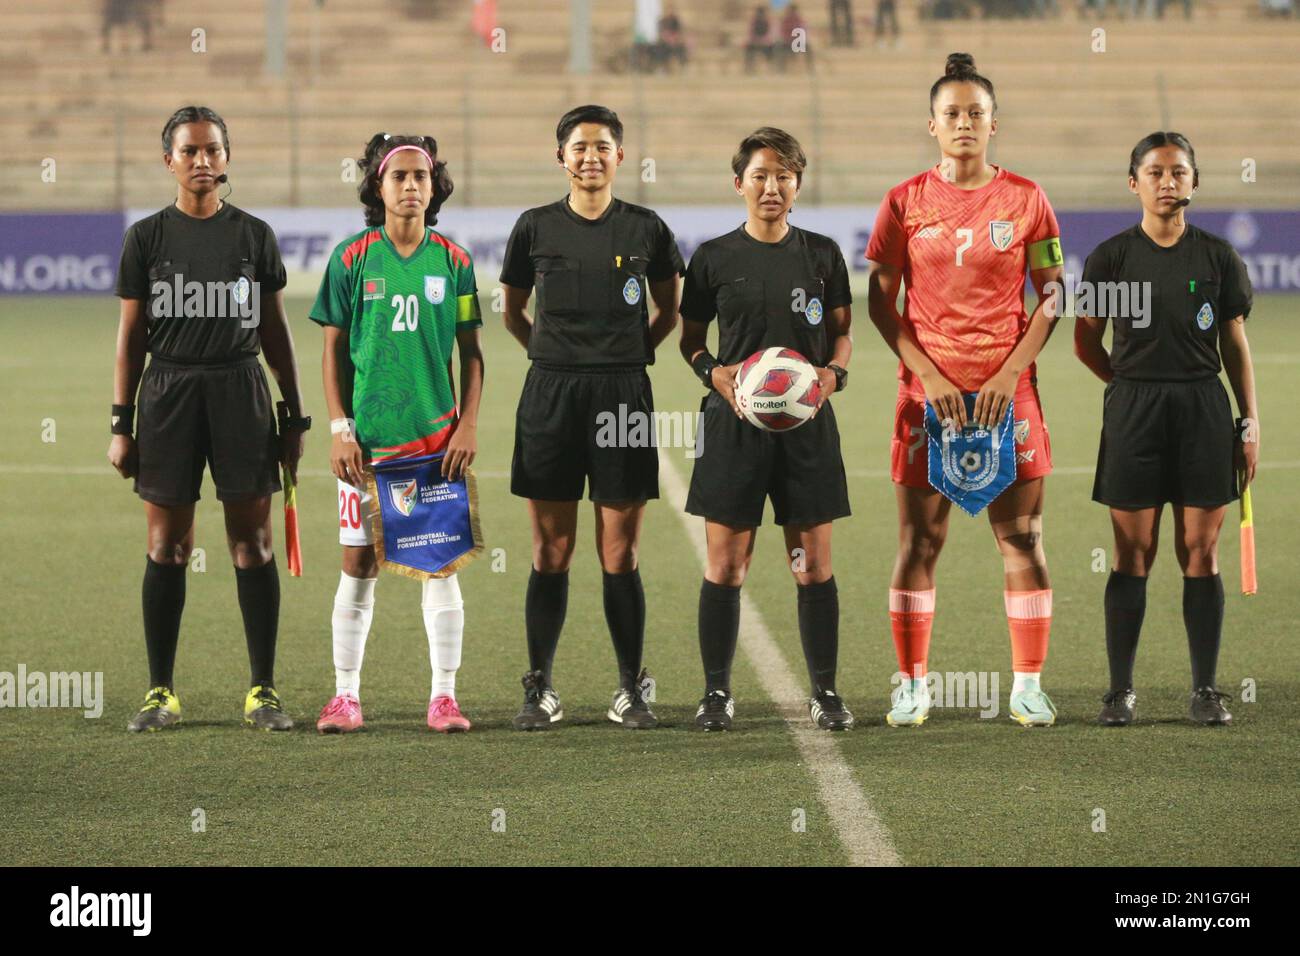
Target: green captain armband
<point>1045,253</point>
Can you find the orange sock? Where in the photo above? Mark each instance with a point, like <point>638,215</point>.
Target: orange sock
<point>1029,615</point>
<point>911,615</point>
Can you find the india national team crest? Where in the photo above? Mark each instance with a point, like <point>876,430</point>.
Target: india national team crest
<point>402,495</point>
<point>632,292</point>
<point>1205,318</point>
<point>427,525</point>
<point>435,289</point>
<point>1001,234</point>
<point>813,312</point>
<point>975,465</point>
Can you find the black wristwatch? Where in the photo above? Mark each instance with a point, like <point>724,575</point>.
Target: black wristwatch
<point>288,421</point>
<point>704,365</point>
<point>841,377</point>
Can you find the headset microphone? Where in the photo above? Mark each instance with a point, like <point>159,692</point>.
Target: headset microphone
<point>222,178</point>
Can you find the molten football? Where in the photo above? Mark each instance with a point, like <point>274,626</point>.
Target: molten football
<point>777,389</point>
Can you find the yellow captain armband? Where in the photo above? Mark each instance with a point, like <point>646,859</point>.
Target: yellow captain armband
<point>1045,253</point>
<point>467,309</point>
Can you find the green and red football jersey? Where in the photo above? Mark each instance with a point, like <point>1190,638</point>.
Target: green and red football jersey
<point>402,315</point>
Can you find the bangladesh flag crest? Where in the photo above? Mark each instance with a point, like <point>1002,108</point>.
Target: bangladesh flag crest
<point>372,289</point>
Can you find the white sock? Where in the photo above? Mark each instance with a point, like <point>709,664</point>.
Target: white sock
<point>354,607</point>
<point>444,623</point>
<point>1025,680</point>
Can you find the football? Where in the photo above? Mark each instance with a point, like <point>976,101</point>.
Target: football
<point>777,389</point>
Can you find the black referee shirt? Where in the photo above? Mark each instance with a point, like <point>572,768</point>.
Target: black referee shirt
<point>1195,284</point>
<point>767,294</point>
<point>230,247</point>
<point>591,279</point>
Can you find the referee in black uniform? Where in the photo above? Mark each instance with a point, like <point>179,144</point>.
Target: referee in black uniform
<point>201,288</point>
<point>591,258</point>
<point>1168,434</point>
<point>769,284</point>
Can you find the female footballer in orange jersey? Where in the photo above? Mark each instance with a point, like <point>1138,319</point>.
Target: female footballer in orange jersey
<point>959,237</point>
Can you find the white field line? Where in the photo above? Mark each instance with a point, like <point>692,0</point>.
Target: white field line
<point>858,827</point>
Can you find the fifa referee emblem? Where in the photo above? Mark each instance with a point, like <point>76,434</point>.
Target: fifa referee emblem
<point>595,261</point>
<point>1167,434</point>
<point>201,288</point>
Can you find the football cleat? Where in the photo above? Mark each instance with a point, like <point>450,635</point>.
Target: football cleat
<point>162,708</point>
<point>828,712</point>
<point>263,710</point>
<point>716,709</point>
<point>629,706</point>
<point>1117,708</point>
<point>341,715</point>
<point>541,704</point>
<point>911,705</point>
<point>1032,707</point>
<point>445,716</point>
<point>1207,707</point>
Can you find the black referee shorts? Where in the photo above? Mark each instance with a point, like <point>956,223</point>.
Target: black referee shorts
<point>740,466</point>
<point>1166,442</point>
<point>221,414</point>
<point>563,435</point>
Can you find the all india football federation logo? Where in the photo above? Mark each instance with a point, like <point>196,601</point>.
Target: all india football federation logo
<point>435,289</point>
<point>1001,233</point>
<point>402,494</point>
<point>813,312</point>
<point>632,292</point>
<point>1205,318</point>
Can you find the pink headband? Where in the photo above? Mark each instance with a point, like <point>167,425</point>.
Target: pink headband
<point>420,149</point>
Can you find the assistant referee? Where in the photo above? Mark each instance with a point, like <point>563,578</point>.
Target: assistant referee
<point>201,288</point>
<point>591,258</point>
<point>1168,435</point>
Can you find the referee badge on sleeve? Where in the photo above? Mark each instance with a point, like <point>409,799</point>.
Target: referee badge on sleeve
<point>1205,317</point>
<point>972,467</point>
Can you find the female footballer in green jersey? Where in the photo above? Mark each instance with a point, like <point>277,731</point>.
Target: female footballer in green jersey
<point>394,299</point>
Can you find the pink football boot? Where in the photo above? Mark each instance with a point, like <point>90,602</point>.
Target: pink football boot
<point>342,715</point>
<point>445,717</point>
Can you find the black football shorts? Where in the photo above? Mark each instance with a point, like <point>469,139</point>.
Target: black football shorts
<point>1166,442</point>
<point>564,438</point>
<point>221,414</point>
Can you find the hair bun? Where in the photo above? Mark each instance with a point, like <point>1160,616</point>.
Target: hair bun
<point>959,65</point>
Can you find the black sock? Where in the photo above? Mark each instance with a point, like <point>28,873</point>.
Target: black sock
<point>259,602</point>
<point>719,627</point>
<point>625,615</point>
<point>164,600</point>
<point>1126,605</point>
<point>819,631</point>
<point>544,610</point>
<point>1203,618</point>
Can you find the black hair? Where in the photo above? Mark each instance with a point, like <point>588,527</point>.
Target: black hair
<point>380,145</point>
<point>194,114</point>
<point>960,68</point>
<point>591,113</point>
<point>1154,141</point>
<point>785,146</point>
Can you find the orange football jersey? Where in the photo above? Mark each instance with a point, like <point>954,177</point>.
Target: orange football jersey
<point>963,254</point>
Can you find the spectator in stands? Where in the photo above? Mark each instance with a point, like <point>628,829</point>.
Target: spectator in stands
<point>1278,8</point>
<point>760,39</point>
<point>886,10</point>
<point>841,23</point>
<point>672,39</point>
<point>124,13</point>
<point>645,35</point>
<point>793,39</point>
